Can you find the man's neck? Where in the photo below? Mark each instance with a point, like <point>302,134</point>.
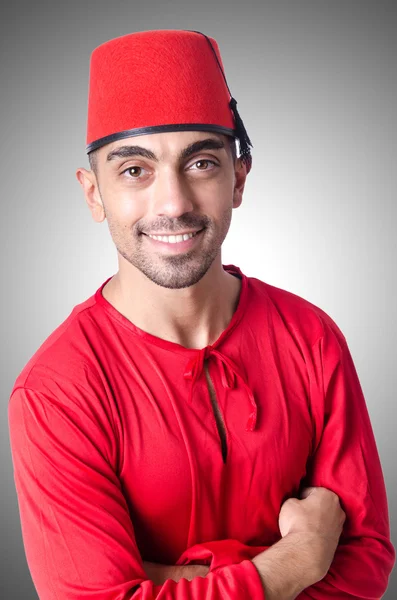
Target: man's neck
<point>193,317</point>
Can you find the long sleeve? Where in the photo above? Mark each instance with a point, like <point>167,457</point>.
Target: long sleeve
<point>345,460</point>
<point>77,530</point>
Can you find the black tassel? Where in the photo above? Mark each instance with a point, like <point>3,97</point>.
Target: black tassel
<point>241,132</point>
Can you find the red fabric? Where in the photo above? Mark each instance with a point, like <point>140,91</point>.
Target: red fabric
<point>159,77</point>
<point>117,457</point>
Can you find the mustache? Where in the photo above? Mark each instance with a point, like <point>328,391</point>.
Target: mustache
<point>174,229</point>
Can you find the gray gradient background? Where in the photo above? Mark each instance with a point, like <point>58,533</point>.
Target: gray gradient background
<point>316,87</point>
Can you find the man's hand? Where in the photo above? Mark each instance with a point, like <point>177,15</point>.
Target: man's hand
<point>319,517</point>
<point>310,529</point>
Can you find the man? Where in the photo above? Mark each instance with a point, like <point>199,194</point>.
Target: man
<point>188,431</point>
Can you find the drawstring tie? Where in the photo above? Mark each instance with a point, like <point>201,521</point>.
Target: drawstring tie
<point>229,373</point>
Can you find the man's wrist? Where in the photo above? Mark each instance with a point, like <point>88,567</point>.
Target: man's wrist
<point>287,567</point>
<point>189,572</point>
<point>159,573</point>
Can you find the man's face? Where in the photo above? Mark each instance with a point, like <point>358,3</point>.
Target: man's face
<point>167,184</point>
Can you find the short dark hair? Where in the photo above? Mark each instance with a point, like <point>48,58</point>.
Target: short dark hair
<point>233,148</point>
<point>93,160</point>
<point>93,156</point>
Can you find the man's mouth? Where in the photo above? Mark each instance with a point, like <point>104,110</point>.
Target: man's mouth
<point>176,241</point>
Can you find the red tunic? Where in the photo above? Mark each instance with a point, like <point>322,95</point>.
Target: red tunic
<point>118,459</point>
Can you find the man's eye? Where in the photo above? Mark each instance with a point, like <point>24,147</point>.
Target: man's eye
<point>133,172</point>
<point>204,161</point>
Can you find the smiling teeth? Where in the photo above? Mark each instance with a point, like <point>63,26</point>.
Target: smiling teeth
<point>173,239</point>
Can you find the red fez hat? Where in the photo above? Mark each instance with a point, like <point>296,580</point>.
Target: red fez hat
<point>158,81</point>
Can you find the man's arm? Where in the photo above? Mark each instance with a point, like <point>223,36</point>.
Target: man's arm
<point>77,531</point>
<point>159,573</point>
<point>288,567</point>
<point>311,528</point>
<point>285,569</point>
<point>345,460</point>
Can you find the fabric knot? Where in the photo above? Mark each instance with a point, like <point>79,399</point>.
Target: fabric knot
<point>195,365</point>
<point>229,373</point>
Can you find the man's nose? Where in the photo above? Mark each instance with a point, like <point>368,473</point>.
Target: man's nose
<point>172,196</point>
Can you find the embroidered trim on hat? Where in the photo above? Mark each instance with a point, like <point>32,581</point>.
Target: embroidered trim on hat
<point>159,129</point>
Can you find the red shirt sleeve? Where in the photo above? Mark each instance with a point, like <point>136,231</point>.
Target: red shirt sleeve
<point>345,460</point>
<point>77,531</point>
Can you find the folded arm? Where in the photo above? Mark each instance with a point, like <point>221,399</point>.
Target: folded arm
<point>78,536</point>
<point>345,460</point>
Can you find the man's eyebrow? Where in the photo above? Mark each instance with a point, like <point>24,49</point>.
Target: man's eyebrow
<point>130,151</point>
<point>199,146</point>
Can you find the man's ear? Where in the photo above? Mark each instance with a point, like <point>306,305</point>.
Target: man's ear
<point>240,173</point>
<point>89,183</point>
